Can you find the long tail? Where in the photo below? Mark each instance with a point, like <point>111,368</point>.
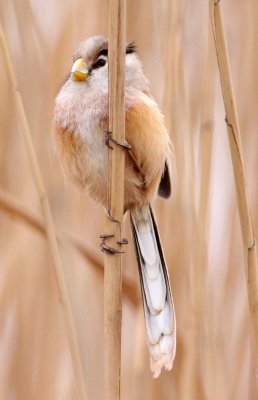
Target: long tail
<point>156,293</point>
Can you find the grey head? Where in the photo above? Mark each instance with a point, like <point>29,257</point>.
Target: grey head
<point>94,53</point>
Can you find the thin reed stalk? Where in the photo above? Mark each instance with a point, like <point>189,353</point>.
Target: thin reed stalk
<point>250,250</point>
<point>51,235</point>
<point>115,201</point>
<point>202,214</point>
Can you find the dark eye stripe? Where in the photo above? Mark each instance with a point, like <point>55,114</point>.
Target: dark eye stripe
<point>131,48</point>
<point>100,62</point>
<point>103,52</point>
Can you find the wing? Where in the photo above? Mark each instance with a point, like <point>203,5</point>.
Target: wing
<point>165,183</point>
<point>151,146</point>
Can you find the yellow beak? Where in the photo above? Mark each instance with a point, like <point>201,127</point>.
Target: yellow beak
<point>79,70</point>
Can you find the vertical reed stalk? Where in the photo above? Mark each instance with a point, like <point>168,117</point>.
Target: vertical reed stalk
<point>238,165</point>
<point>115,201</point>
<point>51,235</point>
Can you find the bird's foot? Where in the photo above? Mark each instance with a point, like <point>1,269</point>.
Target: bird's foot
<point>108,249</point>
<point>110,216</point>
<point>108,138</point>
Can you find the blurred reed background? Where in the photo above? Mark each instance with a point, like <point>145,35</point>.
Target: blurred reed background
<point>199,225</point>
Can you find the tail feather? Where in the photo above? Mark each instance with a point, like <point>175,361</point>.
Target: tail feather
<point>156,292</point>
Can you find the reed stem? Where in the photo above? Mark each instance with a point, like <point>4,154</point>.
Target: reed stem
<point>250,250</point>
<point>50,230</point>
<point>115,201</point>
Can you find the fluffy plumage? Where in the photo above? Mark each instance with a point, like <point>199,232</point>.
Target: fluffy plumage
<point>80,120</point>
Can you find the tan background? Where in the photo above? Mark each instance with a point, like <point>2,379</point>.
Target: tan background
<point>199,225</point>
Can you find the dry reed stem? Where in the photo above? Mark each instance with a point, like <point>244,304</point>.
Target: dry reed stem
<point>188,380</point>
<point>238,165</point>
<point>115,201</point>
<point>15,208</point>
<point>57,264</point>
<point>206,141</point>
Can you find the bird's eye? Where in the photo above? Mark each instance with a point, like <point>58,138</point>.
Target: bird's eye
<point>99,63</point>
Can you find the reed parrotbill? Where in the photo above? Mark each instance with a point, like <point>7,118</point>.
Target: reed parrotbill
<point>81,126</point>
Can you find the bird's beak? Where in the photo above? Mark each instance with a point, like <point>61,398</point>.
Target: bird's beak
<point>79,70</point>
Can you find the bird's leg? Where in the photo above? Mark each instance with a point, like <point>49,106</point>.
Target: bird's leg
<point>108,138</point>
<point>123,241</point>
<point>110,216</point>
<point>103,246</point>
<point>108,249</point>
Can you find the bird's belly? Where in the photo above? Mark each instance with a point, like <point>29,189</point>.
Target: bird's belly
<point>96,166</point>
<point>85,159</point>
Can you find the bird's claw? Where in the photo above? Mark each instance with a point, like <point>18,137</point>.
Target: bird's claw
<point>108,138</point>
<point>110,216</point>
<point>108,249</point>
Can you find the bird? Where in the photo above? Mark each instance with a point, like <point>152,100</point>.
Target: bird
<point>80,125</point>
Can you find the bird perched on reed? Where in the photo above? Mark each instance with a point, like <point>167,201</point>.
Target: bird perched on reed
<point>80,128</point>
